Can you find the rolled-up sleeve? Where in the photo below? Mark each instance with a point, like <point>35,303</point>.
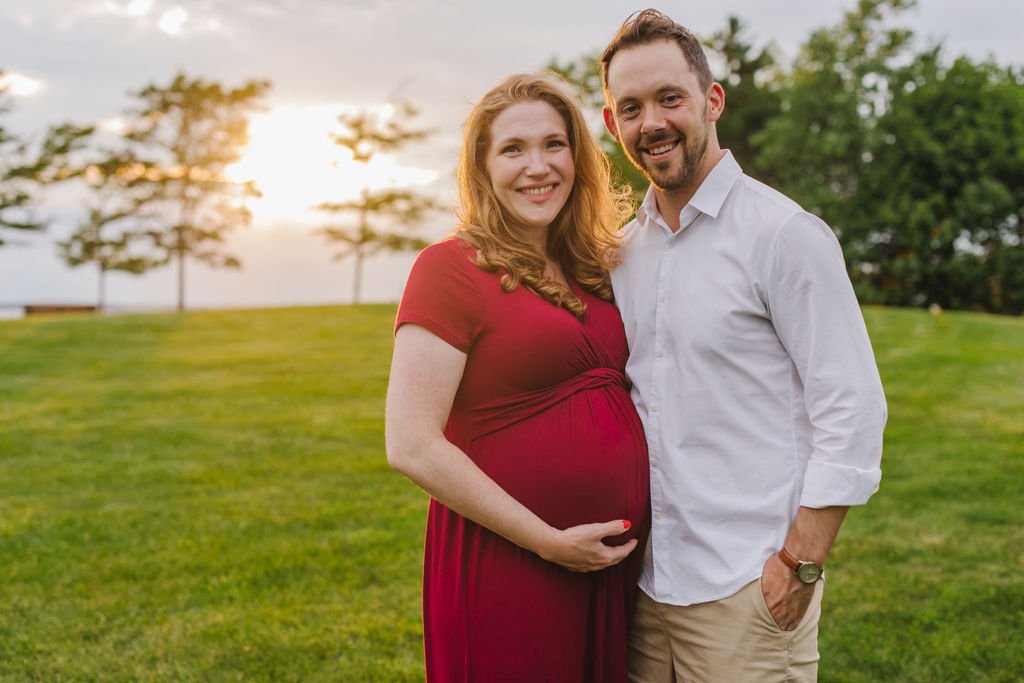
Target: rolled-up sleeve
<point>817,317</point>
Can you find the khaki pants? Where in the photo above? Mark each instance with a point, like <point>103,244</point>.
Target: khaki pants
<point>732,640</point>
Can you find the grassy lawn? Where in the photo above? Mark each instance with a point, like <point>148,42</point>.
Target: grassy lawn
<point>204,497</point>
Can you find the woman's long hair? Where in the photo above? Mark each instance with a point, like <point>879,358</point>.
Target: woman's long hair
<point>582,239</point>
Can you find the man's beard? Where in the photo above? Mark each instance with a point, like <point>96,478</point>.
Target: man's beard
<point>660,174</point>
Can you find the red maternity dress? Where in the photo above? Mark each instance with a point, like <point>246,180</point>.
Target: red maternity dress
<point>544,410</point>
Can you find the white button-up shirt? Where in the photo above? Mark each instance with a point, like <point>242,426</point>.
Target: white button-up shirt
<point>753,375</point>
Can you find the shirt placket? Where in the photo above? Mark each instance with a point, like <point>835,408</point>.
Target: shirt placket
<point>662,371</point>
<point>654,392</point>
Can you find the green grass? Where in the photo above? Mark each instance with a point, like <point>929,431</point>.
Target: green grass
<point>204,497</point>
<point>927,581</point>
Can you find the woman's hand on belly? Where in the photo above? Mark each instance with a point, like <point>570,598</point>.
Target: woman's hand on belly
<point>582,548</point>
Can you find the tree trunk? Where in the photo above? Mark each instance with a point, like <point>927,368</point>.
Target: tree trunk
<point>358,277</point>
<point>100,299</point>
<point>357,285</point>
<point>181,271</point>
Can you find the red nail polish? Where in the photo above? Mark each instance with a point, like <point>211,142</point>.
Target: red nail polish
<point>626,524</point>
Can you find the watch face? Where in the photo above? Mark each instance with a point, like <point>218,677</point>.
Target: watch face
<point>809,572</point>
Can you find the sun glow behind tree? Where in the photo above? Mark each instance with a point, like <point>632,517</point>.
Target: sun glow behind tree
<point>295,165</point>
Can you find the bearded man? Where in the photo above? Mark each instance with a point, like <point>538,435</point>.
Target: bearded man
<point>753,375</point>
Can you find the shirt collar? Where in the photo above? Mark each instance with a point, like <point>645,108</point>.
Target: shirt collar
<point>708,198</point>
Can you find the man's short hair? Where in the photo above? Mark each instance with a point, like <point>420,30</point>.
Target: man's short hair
<point>649,26</point>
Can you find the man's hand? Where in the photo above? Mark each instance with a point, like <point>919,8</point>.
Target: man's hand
<point>809,538</point>
<point>787,596</point>
<point>581,549</point>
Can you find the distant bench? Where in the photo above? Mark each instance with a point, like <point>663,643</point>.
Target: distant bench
<point>47,310</point>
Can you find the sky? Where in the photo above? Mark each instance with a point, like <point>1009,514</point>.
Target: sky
<point>78,60</point>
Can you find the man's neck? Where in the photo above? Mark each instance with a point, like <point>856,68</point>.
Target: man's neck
<point>671,202</point>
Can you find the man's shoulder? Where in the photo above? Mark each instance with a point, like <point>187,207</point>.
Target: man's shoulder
<point>765,198</point>
<point>628,231</point>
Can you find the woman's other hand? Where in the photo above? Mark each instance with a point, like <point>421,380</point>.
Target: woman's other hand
<point>582,548</point>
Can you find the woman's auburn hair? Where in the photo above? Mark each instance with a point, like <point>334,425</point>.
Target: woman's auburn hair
<point>583,237</point>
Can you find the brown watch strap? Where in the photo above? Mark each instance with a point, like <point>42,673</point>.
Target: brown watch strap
<point>789,560</point>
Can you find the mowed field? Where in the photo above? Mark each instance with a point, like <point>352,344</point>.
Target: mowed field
<point>205,497</point>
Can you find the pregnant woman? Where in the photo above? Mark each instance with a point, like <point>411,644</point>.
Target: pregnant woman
<point>508,405</point>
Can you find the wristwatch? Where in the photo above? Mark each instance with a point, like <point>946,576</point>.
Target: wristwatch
<point>808,572</point>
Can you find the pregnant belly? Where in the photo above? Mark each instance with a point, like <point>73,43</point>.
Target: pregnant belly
<point>581,461</point>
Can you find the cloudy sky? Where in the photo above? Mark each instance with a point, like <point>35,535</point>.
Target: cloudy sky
<point>77,60</point>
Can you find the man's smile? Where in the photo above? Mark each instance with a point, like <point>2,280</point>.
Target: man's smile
<point>660,149</point>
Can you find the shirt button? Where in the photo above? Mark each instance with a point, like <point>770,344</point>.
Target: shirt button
<point>661,299</point>
<point>654,409</point>
<point>654,462</point>
<point>659,354</point>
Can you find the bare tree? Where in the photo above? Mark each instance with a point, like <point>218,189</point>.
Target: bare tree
<point>184,137</point>
<point>382,217</point>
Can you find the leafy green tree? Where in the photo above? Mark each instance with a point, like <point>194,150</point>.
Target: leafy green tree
<point>917,165</point>
<point>750,80</point>
<point>939,212</point>
<point>24,171</point>
<point>382,217</point>
<point>183,137</point>
<point>817,147</point>
<point>110,237</point>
